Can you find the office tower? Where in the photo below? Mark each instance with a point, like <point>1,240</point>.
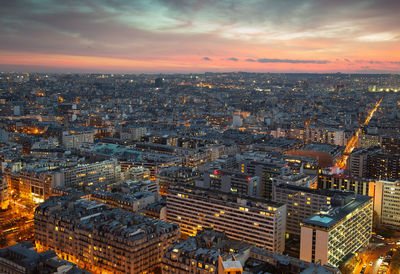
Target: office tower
<point>255,221</point>
<point>229,181</point>
<point>101,239</point>
<point>386,203</point>
<point>337,231</point>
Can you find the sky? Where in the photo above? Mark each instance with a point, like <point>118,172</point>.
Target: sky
<point>153,36</point>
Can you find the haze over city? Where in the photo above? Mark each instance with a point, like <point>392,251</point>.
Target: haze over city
<point>153,36</point>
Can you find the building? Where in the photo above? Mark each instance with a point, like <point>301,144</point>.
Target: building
<point>89,174</point>
<point>134,202</point>
<point>325,135</point>
<point>266,171</point>
<point>22,258</point>
<point>386,203</point>
<point>374,163</point>
<point>101,239</point>
<point>303,202</point>
<point>73,139</point>
<point>4,195</point>
<point>135,173</point>
<point>360,186</point>
<point>357,161</point>
<point>325,153</point>
<point>207,252</point>
<point>35,185</point>
<point>176,175</point>
<point>133,133</point>
<point>213,252</point>
<point>337,231</point>
<point>255,221</point>
<point>229,181</point>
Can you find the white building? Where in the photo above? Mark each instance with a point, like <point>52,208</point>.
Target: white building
<point>335,232</point>
<point>255,221</point>
<point>386,203</point>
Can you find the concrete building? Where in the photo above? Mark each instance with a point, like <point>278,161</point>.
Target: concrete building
<point>89,174</point>
<point>386,203</point>
<point>229,181</point>
<point>255,221</point>
<point>101,239</point>
<point>34,185</point>
<point>73,139</point>
<point>325,135</point>
<point>337,231</point>
<point>303,202</point>
<point>360,186</point>
<point>176,175</point>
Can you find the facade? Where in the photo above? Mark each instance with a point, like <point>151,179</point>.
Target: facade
<point>255,221</point>
<point>336,231</point>
<point>266,171</point>
<point>22,258</point>
<point>73,139</point>
<point>33,185</point>
<point>234,182</point>
<point>133,133</point>
<point>207,252</point>
<point>101,239</point>
<point>325,135</point>
<point>360,186</point>
<point>303,202</point>
<point>374,163</point>
<point>386,203</point>
<point>176,175</point>
<point>91,173</point>
<point>4,195</point>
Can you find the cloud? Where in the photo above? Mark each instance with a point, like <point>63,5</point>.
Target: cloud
<point>233,59</point>
<point>250,60</point>
<point>292,61</point>
<point>206,58</point>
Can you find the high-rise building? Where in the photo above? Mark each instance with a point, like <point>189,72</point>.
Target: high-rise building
<point>176,175</point>
<point>255,221</point>
<point>229,181</point>
<point>360,186</point>
<point>101,239</point>
<point>386,203</point>
<point>303,202</point>
<point>337,231</point>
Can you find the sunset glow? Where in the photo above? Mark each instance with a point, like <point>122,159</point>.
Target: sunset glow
<point>197,36</point>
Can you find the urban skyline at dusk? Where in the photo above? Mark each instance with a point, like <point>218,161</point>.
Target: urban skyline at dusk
<point>198,36</point>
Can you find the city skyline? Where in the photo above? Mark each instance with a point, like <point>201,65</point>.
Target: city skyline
<point>198,36</point>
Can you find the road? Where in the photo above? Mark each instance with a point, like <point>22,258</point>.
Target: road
<point>375,249</point>
<point>354,140</point>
